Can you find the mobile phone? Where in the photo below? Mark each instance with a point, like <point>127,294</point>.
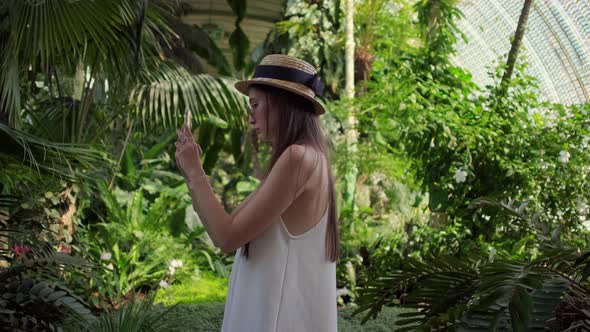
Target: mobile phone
<point>187,117</point>
<point>187,121</point>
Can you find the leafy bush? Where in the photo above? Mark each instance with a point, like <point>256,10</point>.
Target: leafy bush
<point>33,294</point>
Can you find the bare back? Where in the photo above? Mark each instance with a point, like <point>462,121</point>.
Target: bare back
<point>306,211</point>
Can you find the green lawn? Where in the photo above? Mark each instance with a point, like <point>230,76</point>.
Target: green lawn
<point>207,288</point>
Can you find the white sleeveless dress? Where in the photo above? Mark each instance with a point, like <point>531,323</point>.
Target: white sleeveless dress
<point>286,285</point>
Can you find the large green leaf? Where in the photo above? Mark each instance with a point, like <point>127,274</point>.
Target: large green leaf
<point>238,41</point>
<point>167,90</point>
<point>240,44</point>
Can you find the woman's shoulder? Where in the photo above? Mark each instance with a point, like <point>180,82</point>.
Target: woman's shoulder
<point>301,152</point>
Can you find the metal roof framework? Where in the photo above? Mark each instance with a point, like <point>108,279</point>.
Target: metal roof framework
<point>258,21</point>
<point>556,44</point>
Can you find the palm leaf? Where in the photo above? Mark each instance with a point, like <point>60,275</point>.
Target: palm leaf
<point>22,152</point>
<point>434,289</point>
<point>41,35</point>
<point>168,89</point>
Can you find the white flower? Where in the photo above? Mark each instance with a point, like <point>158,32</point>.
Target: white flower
<point>342,292</point>
<point>105,256</point>
<point>585,142</point>
<point>164,284</point>
<point>460,176</point>
<point>586,224</point>
<point>564,156</point>
<point>175,263</point>
<point>581,205</point>
<point>110,266</point>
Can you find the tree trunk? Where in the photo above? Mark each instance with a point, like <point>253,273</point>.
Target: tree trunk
<point>349,28</point>
<point>351,133</point>
<point>512,56</point>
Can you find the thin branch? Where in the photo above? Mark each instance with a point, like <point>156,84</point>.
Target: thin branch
<point>121,155</point>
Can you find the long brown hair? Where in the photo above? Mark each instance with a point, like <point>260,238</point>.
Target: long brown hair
<point>298,124</point>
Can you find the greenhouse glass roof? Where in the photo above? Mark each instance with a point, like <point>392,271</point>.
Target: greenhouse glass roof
<point>556,43</point>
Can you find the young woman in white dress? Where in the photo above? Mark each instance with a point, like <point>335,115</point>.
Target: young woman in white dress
<point>285,233</point>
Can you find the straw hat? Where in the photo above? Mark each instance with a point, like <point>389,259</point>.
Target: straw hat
<point>288,73</point>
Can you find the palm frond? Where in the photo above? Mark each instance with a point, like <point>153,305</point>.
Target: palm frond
<point>22,152</point>
<point>168,89</point>
<point>509,208</point>
<point>433,289</point>
<point>41,35</point>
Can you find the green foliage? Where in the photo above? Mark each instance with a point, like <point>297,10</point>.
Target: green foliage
<point>32,305</point>
<point>34,297</point>
<point>438,29</point>
<point>163,93</point>
<point>146,237</point>
<point>238,40</point>
<point>25,157</point>
<point>133,247</point>
<point>313,32</point>
<point>483,292</point>
<point>460,141</point>
<point>136,316</point>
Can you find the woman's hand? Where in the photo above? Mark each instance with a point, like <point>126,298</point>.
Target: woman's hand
<point>188,154</point>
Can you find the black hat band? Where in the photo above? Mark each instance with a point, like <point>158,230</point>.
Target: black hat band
<point>311,81</point>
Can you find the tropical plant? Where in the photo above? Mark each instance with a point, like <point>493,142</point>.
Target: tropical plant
<point>460,143</point>
<point>76,78</point>
<point>313,31</point>
<point>132,247</point>
<point>135,316</point>
<point>34,296</point>
<point>26,157</point>
<point>72,84</point>
<point>487,291</point>
<point>125,50</point>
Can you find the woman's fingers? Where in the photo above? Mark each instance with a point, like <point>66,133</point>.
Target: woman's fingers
<point>179,134</point>
<point>187,131</point>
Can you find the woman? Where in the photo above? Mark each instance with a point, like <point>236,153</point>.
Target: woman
<point>285,233</point>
